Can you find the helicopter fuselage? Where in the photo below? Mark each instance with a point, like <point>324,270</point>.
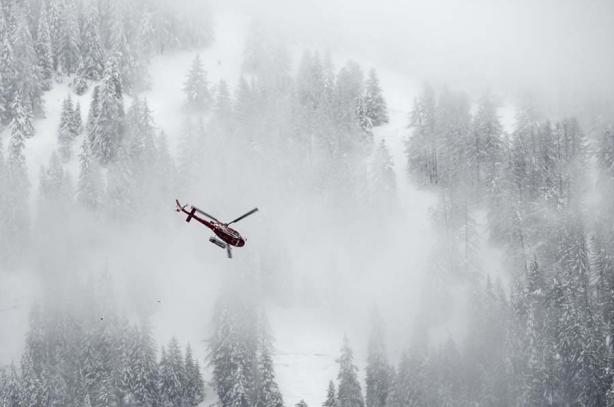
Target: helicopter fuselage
<point>224,232</point>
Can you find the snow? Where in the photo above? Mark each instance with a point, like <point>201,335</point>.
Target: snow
<point>307,339</point>
<point>222,61</point>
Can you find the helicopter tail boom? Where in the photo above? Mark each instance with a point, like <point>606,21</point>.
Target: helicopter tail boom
<point>190,215</point>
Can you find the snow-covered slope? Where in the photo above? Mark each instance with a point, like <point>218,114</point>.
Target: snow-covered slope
<point>307,339</point>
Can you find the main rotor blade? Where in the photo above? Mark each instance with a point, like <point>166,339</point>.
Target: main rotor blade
<point>243,216</point>
<point>205,213</point>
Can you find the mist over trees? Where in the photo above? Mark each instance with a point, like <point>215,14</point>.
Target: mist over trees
<point>292,134</point>
<point>545,341</point>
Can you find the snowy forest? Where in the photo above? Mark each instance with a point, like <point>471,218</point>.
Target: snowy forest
<point>421,241</point>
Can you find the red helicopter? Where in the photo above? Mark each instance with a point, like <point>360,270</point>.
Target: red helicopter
<point>229,237</point>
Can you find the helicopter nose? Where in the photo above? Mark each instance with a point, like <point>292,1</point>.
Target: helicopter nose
<point>241,243</point>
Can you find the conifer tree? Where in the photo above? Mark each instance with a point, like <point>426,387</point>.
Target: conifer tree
<point>8,79</point>
<point>196,87</point>
<point>375,105</point>
<point>347,94</point>
<point>68,48</point>
<point>144,379</point>
<point>55,186</point>
<point>92,60</point>
<point>92,116</point>
<point>30,387</point>
<point>487,148</point>
<point>17,184</point>
<point>27,78</point>
<point>43,48</point>
<point>89,185</point>
<point>12,389</point>
<point>107,131</point>
<point>350,393</point>
<point>77,122</point>
<point>231,356</point>
<point>194,390</point>
<point>331,397</point>
<point>122,184</point>
<point>66,130</point>
<point>422,149</point>
<point>54,17</point>
<point>223,104</point>
<point>383,178</point>
<point>268,394</point>
<point>172,375</point>
<point>3,188</point>
<point>378,370</point>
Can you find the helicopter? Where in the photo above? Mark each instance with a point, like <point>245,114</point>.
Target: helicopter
<point>228,237</point>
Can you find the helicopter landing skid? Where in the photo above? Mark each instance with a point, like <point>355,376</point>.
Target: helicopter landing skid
<point>222,245</point>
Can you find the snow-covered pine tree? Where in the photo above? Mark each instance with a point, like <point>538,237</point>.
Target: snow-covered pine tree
<point>42,46</point>
<point>378,369</point>
<point>172,376</point>
<point>407,388</point>
<point>17,184</point>
<point>124,345</point>
<point>54,17</point>
<point>422,153</point>
<point>223,103</point>
<point>129,64</point>
<point>140,135</point>
<point>55,190</point>
<point>12,396</point>
<point>27,78</point>
<point>69,56</point>
<point>90,184</point>
<point>164,170</point>
<point>383,179</point>
<point>605,151</point>
<point>376,110</point>
<point>194,386</point>
<point>243,108</point>
<point>347,93</point>
<point>331,396</point>
<point>231,356</point>
<point>364,121</point>
<point>452,126</point>
<point>144,373</point>
<point>3,188</point>
<point>487,149</point>
<point>196,86</point>
<point>8,77</point>
<point>535,386</point>
<point>310,81</point>
<point>107,132</point>
<point>267,394</point>
<point>66,130</point>
<point>122,184</point>
<point>301,403</point>
<point>77,121</point>
<point>92,54</point>
<point>31,388</point>
<point>350,393</point>
<point>92,116</point>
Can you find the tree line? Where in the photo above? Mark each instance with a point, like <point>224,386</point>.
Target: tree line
<point>545,190</point>
<point>97,357</point>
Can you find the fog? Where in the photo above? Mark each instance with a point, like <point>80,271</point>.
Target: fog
<point>422,224</point>
<point>543,46</point>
